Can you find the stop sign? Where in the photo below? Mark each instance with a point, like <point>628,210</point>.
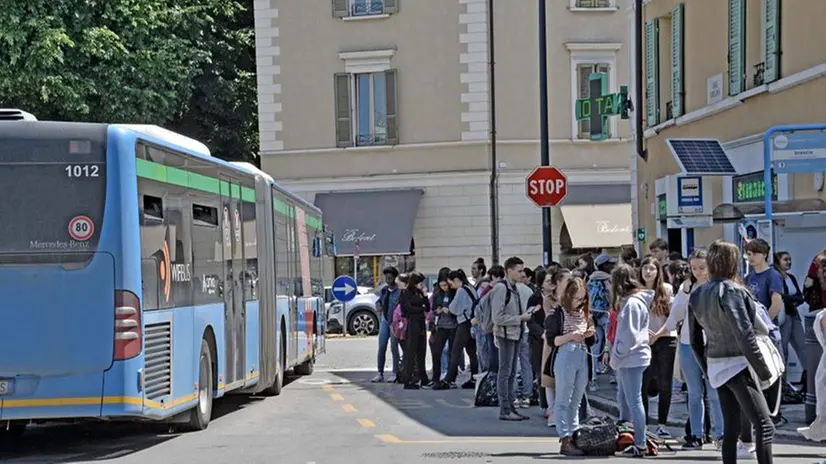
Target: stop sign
<point>546,186</point>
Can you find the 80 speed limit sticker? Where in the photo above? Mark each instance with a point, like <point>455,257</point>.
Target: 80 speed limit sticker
<point>81,228</point>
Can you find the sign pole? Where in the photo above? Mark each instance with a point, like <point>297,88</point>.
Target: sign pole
<point>356,260</point>
<point>545,153</point>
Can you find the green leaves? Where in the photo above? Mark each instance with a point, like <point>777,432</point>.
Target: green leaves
<point>182,64</point>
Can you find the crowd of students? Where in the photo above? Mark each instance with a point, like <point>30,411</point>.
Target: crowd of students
<point>643,321</point>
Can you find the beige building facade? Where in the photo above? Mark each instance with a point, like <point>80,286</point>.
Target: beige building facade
<point>728,71</point>
<point>379,112</point>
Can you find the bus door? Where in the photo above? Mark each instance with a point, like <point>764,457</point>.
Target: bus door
<point>234,271</point>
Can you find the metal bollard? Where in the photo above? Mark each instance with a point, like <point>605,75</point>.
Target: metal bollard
<point>813,354</point>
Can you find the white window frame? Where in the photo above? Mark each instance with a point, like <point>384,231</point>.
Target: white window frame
<point>366,62</point>
<point>573,6</point>
<point>354,109</point>
<point>593,53</point>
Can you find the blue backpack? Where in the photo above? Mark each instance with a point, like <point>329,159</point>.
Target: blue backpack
<point>598,293</point>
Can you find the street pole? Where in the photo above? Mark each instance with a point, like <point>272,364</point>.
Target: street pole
<point>494,162</point>
<point>545,160</point>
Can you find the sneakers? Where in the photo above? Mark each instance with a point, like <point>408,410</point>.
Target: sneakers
<point>511,417</point>
<point>663,432</point>
<point>693,443</point>
<point>551,422</point>
<point>378,378</point>
<point>524,403</point>
<point>469,385</point>
<point>440,385</point>
<point>392,378</point>
<point>744,452</point>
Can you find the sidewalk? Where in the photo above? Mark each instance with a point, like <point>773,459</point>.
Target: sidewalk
<point>605,399</point>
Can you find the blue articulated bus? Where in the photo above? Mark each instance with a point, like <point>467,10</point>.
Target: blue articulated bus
<point>142,278</point>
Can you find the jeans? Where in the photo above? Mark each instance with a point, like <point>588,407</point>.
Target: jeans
<point>695,382</point>
<point>791,331</point>
<point>506,377</point>
<point>385,336</point>
<point>663,352</point>
<point>629,399</point>
<point>571,374</point>
<point>482,350</point>
<point>525,367</point>
<point>741,396</point>
<point>601,324</point>
<point>492,353</point>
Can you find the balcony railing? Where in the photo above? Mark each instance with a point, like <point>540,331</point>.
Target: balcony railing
<point>593,3</point>
<point>367,8</point>
<point>364,140</point>
<point>759,74</point>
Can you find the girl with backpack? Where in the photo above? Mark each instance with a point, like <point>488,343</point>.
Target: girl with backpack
<point>631,353</point>
<point>571,330</point>
<point>551,295</point>
<point>462,306</point>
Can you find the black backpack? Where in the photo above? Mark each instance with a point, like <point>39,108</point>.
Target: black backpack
<point>475,298</point>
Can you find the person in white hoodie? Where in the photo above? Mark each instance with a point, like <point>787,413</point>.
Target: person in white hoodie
<point>631,353</point>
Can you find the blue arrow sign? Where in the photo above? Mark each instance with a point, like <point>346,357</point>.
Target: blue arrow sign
<point>344,288</point>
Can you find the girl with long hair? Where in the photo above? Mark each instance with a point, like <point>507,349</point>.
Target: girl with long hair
<point>446,325</point>
<point>696,384</point>
<point>631,354</point>
<point>415,305</point>
<point>663,343</point>
<point>724,310</point>
<point>552,289</point>
<point>571,330</point>
<point>791,328</point>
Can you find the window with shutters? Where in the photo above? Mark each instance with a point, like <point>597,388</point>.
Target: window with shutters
<point>677,52</point>
<point>365,100</point>
<point>583,72</point>
<point>364,8</point>
<point>771,41</point>
<point>652,73</point>
<point>371,109</point>
<point>736,46</point>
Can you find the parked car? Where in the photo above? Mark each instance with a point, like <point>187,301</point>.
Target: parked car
<point>358,316</point>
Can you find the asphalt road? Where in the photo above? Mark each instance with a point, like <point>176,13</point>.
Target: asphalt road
<point>334,416</point>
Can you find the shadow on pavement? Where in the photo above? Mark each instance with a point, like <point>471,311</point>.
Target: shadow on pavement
<point>450,412</point>
<point>66,442</point>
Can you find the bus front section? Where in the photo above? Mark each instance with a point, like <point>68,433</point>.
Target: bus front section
<point>66,320</point>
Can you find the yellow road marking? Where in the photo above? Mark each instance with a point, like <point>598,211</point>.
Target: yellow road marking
<point>336,396</point>
<point>327,388</point>
<point>348,408</point>
<point>366,423</point>
<point>392,439</point>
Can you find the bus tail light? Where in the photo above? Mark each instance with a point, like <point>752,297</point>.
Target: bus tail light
<point>128,328</point>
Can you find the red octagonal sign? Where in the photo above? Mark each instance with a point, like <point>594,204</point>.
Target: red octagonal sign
<point>546,186</point>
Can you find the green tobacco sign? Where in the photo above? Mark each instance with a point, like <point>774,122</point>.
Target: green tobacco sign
<point>751,187</point>
<point>600,104</point>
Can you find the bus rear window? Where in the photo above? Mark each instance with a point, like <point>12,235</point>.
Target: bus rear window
<point>54,188</point>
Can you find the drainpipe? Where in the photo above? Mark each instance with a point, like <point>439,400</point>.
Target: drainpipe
<point>638,56</point>
<point>633,158</point>
<point>494,161</point>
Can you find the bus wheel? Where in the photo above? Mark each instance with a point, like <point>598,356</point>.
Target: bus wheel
<point>12,430</point>
<point>306,368</point>
<point>202,412</point>
<point>278,383</point>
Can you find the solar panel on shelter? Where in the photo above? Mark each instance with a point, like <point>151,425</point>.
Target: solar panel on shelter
<point>704,157</point>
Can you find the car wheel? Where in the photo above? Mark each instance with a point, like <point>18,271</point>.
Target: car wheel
<point>363,322</point>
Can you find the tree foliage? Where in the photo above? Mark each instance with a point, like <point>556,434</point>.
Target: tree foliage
<point>184,64</point>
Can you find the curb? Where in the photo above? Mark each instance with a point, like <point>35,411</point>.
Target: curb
<point>611,408</point>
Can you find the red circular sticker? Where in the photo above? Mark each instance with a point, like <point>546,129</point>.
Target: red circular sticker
<point>81,228</point>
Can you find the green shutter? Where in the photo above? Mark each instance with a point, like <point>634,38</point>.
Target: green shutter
<point>677,61</point>
<point>391,97</point>
<point>652,71</point>
<point>772,40</point>
<point>344,120</point>
<point>736,46</point>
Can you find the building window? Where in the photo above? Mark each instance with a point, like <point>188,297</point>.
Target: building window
<point>366,101</point>
<point>366,7</point>
<point>593,3</point>
<point>371,109</point>
<point>583,72</point>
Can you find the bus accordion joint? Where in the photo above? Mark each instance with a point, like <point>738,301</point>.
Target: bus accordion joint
<point>128,331</point>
